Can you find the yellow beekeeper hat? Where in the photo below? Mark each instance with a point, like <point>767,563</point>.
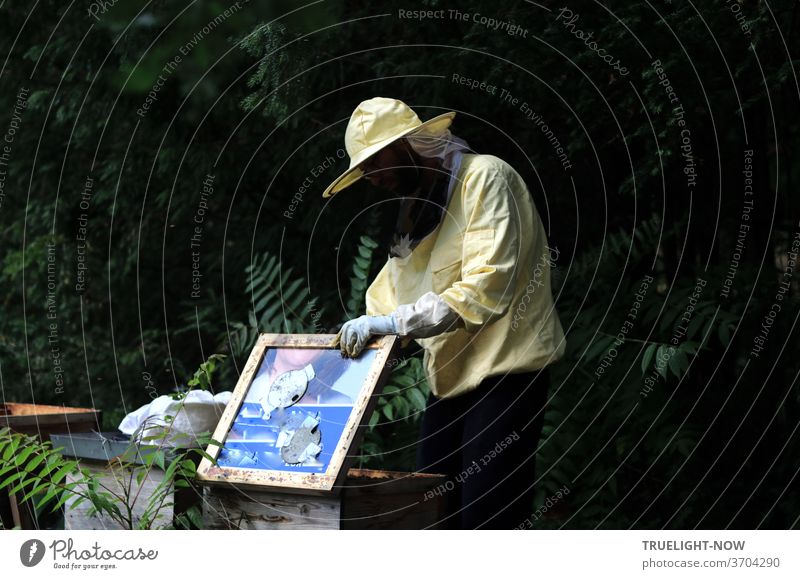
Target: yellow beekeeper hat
<point>375,124</point>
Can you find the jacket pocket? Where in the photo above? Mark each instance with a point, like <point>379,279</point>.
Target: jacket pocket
<point>445,262</point>
<point>443,276</point>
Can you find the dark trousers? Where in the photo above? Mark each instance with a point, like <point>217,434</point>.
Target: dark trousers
<point>485,442</point>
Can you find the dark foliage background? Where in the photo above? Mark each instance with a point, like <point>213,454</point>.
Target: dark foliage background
<point>261,100</point>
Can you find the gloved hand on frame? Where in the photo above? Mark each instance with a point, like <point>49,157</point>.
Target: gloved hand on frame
<point>355,333</point>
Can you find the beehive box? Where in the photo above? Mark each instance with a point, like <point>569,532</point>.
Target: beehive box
<point>369,499</point>
<point>43,420</point>
<point>96,451</point>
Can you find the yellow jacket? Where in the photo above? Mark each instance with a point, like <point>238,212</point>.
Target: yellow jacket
<point>489,261</point>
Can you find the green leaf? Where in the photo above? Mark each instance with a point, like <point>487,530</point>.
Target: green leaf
<point>11,448</point>
<point>23,455</point>
<point>406,380</point>
<point>662,359</point>
<point>8,468</point>
<point>34,462</point>
<point>188,467</point>
<point>678,362</point>
<point>417,399</point>
<point>37,488</point>
<point>401,405</point>
<point>158,459</point>
<point>196,516</point>
<point>207,456</point>
<point>54,490</point>
<point>64,498</point>
<point>169,473</point>
<point>647,358</point>
<point>66,469</point>
<point>368,241</point>
<point>24,482</point>
<point>77,502</point>
<point>11,479</point>
<point>373,420</point>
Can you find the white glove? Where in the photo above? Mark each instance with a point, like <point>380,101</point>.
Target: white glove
<point>356,333</point>
<point>428,316</point>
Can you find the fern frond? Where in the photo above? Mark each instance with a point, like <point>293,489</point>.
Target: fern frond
<point>280,303</point>
<point>623,246</point>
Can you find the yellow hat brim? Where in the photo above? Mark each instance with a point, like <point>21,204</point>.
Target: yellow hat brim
<point>435,125</point>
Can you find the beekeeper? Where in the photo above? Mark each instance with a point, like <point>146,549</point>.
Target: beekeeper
<point>468,278</point>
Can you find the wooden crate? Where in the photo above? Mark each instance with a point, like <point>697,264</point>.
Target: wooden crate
<point>44,420</point>
<point>40,420</point>
<point>370,499</point>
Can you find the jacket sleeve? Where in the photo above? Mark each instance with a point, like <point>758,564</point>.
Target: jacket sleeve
<point>428,316</point>
<point>490,250</point>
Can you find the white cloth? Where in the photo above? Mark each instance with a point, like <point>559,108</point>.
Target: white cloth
<point>446,147</point>
<point>199,412</point>
<point>441,146</point>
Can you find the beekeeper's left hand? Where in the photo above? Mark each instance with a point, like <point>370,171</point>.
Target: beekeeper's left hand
<point>355,334</point>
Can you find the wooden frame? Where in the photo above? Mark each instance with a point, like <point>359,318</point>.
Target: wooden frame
<point>247,461</point>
